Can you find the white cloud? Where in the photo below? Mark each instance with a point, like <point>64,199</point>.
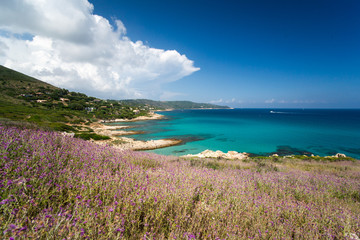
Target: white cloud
<point>217,101</point>
<point>73,48</point>
<point>270,101</point>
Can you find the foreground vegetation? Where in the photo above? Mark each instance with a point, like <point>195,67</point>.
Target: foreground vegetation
<point>57,187</point>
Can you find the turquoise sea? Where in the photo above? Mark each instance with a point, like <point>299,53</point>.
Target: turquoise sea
<point>259,131</point>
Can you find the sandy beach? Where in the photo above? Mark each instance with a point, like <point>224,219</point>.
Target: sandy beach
<point>126,143</point>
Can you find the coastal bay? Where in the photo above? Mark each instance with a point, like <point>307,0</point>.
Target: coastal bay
<point>323,132</point>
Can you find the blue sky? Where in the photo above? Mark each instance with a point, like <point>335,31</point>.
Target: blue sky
<point>254,53</point>
<point>240,53</point>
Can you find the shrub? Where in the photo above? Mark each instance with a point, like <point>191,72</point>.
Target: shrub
<point>94,136</point>
<point>61,127</point>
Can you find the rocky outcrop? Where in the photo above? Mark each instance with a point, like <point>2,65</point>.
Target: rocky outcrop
<point>219,154</point>
<point>111,131</point>
<point>339,155</point>
<point>125,143</point>
<point>66,134</point>
<point>129,143</point>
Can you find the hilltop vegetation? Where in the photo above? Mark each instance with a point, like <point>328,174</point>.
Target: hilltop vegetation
<point>56,187</point>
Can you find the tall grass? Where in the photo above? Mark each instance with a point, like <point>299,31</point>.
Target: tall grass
<point>56,187</point>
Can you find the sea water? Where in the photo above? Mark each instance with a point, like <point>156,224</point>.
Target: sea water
<point>321,132</point>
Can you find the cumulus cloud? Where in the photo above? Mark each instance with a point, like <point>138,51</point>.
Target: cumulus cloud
<point>69,46</point>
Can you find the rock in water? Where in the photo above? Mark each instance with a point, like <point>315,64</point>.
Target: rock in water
<point>340,155</point>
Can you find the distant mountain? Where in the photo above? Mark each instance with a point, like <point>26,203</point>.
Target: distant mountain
<point>162,105</point>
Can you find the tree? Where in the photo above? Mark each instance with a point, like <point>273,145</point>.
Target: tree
<point>76,106</point>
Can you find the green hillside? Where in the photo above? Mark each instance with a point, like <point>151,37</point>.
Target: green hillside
<point>13,84</point>
<point>26,98</point>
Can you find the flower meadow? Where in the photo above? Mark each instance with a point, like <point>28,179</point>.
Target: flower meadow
<point>57,187</point>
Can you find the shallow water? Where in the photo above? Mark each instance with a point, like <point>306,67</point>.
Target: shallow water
<point>258,131</point>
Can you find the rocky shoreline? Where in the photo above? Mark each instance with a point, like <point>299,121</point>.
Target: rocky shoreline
<point>233,155</point>
<point>126,143</point>
<point>219,154</point>
<point>137,145</point>
<point>112,131</point>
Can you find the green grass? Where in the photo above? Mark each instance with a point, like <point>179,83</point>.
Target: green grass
<point>94,136</point>
<point>117,142</point>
